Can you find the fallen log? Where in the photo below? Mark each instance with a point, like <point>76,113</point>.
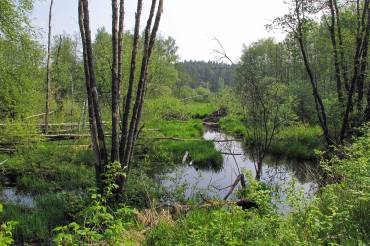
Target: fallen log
<point>185,157</point>
<point>176,210</point>
<point>8,150</point>
<point>226,140</point>
<point>188,139</point>
<point>61,137</point>
<point>37,115</point>
<point>236,182</point>
<point>226,153</point>
<point>211,124</point>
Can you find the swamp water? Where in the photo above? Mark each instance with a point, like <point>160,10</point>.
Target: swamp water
<point>215,183</point>
<point>9,195</point>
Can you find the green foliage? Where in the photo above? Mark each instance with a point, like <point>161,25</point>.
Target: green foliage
<point>100,225</point>
<point>233,124</point>
<point>112,173</point>
<point>228,99</point>
<point>23,133</point>
<point>6,235</point>
<point>14,22</point>
<point>259,193</point>
<point>20,78</point>
<point>225,226</point>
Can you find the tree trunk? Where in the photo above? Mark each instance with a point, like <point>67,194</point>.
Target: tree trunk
<point>149,39</point>
<point>259,170</point>
<point>140,88</point>
<point>93,128</point>
<point>360,40</point>
<point>92,92</point>
<point>364,64</point>
<point>115,83</point>
<point>341,48</point>
<point>321,113</point>
<point>335,54</point>
<point>127,106</point>
<point>48,73</point>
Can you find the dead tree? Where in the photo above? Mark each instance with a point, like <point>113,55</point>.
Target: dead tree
<point>48,72</point>
<point>122,148</point>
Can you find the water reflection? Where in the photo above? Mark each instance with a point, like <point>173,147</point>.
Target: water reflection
<point>9,195</point>
<point>215,183</point>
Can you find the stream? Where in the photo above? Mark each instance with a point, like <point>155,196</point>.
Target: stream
<point>213,183</point>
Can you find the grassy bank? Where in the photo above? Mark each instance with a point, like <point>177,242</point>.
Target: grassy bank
<point>297,141</point>
<point>173,125</point>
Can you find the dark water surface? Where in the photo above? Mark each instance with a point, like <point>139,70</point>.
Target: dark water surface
<point>277,173</point>
<point>9,195</point>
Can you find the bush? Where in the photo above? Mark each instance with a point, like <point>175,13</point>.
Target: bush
<point>6,235</point>
<point>100,226</point>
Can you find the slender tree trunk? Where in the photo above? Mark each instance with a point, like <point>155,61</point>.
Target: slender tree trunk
<point>140,86</point>
<point>343,64</point>
<point>115,83</point>
<point>127,105</point>
<point>93,128</point>
<point>149,40</point>
<point>321,113</point>
<point>137,111</point>
<point>335,54</point>
<point>364,64</point>
<point>94,109</point>
<point>93,87</point>
<point>360,40</point>
<point>259,170</point>
<point>48,73</point>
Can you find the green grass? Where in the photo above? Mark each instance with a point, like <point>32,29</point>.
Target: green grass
<point>202,152</point>
<point>48,166</point>
<point>233,124</point>
<point>297,141</point>
<point>35,224</point>
<point>171,117</point>
<point>170,108</point>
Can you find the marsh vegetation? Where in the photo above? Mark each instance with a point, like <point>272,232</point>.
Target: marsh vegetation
<point>112,139</point>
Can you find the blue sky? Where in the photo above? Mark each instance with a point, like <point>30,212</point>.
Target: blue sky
<point>193,23</point>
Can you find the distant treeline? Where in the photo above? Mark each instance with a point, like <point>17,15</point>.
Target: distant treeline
<point>212,75</point>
